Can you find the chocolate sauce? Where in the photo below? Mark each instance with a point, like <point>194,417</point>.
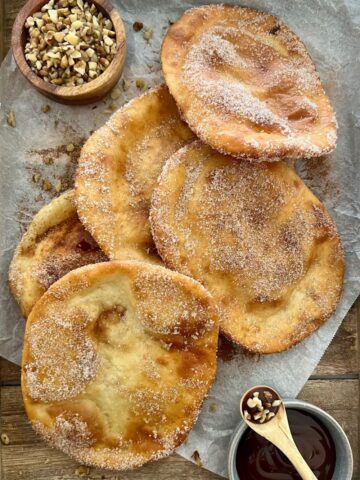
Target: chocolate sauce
<point>258,459</point>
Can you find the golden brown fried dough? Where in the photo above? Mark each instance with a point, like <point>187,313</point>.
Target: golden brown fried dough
<point>118,168</point>
<point>55,243</point>
<point>246,84</point>
<point>256,237</point>
<point>117,360</point>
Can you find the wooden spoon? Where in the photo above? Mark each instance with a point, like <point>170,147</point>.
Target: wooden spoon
<point>277,431</point>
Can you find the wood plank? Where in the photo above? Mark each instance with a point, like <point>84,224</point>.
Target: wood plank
<point>9,373</point>
<point>340,398</point>
<point>9,10</point>
<point>341,357</point>
<point>27,457</point>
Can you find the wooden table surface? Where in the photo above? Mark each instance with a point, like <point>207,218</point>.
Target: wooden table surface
<point>334,386</point>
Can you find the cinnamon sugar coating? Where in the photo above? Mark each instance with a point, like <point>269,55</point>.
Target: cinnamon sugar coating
<point>118,358</point>
<point>118,168</point>
<point>54,244</point>
<point>246,84</point>
<point>256,237</point>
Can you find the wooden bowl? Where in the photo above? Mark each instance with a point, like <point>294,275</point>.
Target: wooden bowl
<point>82,94</point>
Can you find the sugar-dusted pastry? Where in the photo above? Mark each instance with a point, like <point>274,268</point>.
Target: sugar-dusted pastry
<point>118,168</point>
<point>117,360</point>
<point>256,237</point>
<point>246,85</point>
<point>55,243</point>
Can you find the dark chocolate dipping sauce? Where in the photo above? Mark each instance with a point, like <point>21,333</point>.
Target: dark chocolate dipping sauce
<point>258,459</point>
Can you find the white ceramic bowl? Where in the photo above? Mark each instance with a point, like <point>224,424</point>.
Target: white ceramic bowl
<point>344,458</point>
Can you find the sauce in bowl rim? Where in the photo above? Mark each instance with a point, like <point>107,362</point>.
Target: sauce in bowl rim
<point>344,462</point>
<point>257,458</point>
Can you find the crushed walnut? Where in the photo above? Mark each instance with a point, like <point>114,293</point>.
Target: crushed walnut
<point>5,439</point>
<point>140,84</point>
<point>115,94</point>
<point>46,185</point>
<point>196,457</point>
<point>82,471</point>
<point>58,186</point>
<point>36,177</point>
<point>69,42</point>
<point>110,108</point>
<point>125,85</point>
<point>10,118</point>
<point>137,26</point>
<point>148,35</point>
<point>45,108</point>
<point>261,405</point>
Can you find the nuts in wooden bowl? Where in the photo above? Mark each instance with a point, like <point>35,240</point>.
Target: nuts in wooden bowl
<point>69,42</point>
<point>71,50</point>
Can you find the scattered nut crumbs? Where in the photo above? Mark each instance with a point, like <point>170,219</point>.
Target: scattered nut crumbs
<point>45,108</point>
<point>58,186</point>
<point>82,471</point>
<point>148,34</point>
<point>137,26</point>
<point>5,439</point>
<point>110,108</point>
<point>36,177</point>
<point>47,461</point>
<point>196,457</point>
<point>10,118</point>
<point>69,42</point>
<point>115,94</point>
<point>70,147</point>
<point>140,84</point>
<point>48,161</point>
<point>46,185</point>
<point>125,85</point>
<point>213,408</point>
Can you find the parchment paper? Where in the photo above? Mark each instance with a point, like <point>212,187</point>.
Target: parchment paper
<point>331,31</point>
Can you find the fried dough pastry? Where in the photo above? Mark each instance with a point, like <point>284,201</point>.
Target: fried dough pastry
<point>256,237</point>
<point>246,84</point>
<point>118,168</point>
<point>55,243</point>
<point>117,360</point>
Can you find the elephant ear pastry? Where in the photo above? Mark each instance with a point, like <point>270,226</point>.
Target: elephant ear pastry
<point>54,244</point>
<point>118,168</point>
<point>246,85</point>
<point>256,237</point>
<point>118,358</point>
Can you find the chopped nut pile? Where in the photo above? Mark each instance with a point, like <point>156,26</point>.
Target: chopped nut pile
<point>261,406</point>
<point>70,42</point>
